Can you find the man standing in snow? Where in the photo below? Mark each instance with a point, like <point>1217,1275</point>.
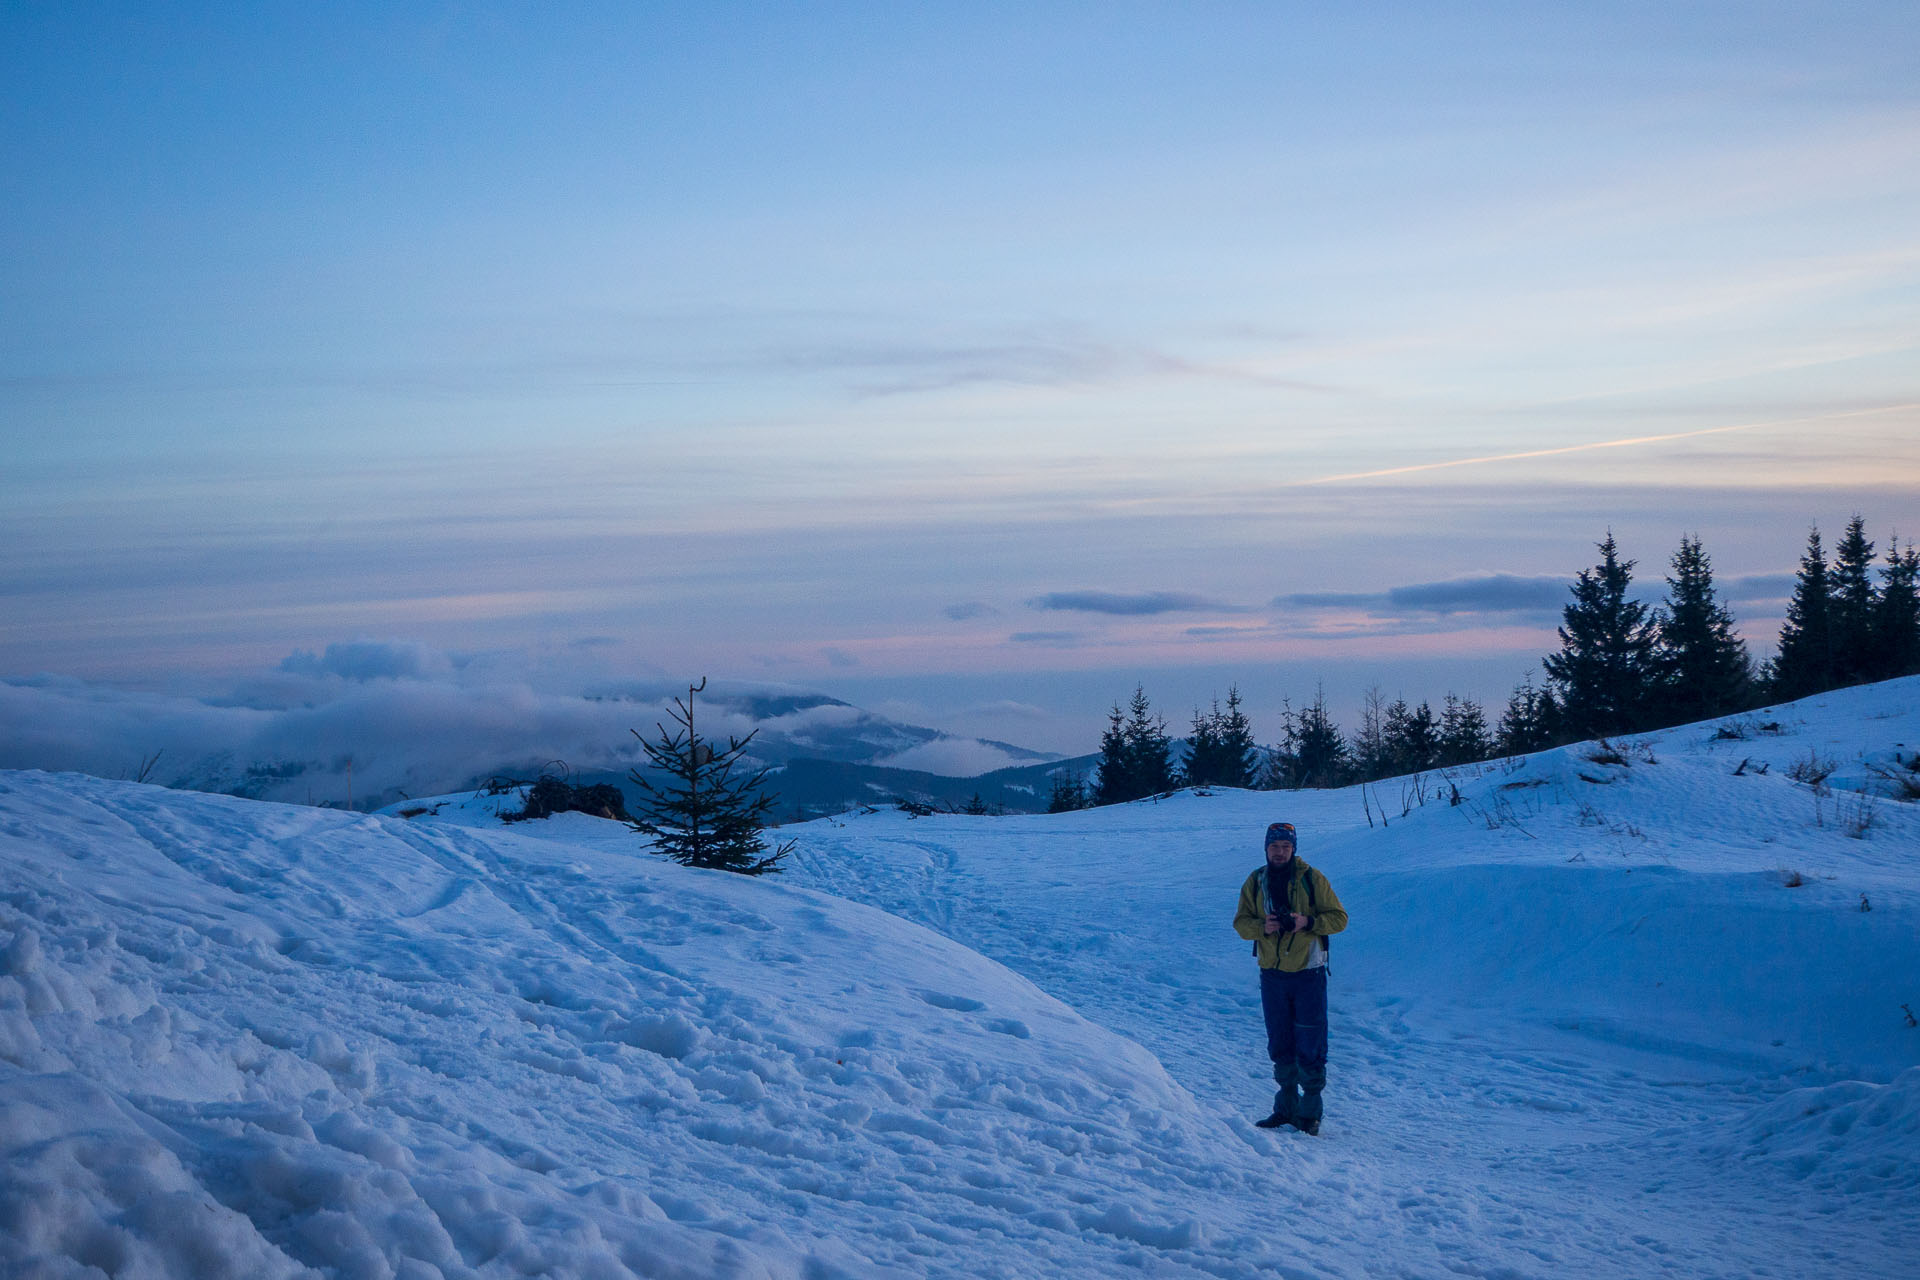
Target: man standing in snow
<point>1287,909</point>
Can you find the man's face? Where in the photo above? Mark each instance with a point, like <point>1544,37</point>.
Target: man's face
<point>1279,853</point>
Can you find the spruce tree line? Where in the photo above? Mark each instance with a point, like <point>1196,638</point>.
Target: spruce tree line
<point>1137,758</point>
<point>1623,666</point>
<point>1841,629</point>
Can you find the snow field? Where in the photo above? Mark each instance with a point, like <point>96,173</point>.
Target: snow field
<point>1583,1021</point>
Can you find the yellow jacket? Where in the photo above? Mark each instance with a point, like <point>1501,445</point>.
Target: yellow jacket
<point>1289,951</point>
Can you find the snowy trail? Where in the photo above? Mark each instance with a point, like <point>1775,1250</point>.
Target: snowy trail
<point>1456,1145</point>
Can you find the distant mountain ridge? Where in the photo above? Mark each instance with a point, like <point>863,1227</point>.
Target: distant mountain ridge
<point>814,788</point>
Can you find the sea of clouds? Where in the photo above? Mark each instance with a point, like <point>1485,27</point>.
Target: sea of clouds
<point>397,718</point>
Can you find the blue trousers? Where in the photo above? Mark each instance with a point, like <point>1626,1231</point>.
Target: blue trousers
<point>1295,1006</point>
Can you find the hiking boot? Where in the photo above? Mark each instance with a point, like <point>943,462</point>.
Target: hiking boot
<point>1309,1127</point>
<point>1285,1100</point>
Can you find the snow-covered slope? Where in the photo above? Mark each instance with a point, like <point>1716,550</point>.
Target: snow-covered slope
<point>242,1039</point>
<point>1585,1019</point>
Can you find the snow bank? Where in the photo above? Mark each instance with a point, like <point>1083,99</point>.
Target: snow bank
<point>1679,890</point>
<point>250,1040</point>
<point>1852,1136</point>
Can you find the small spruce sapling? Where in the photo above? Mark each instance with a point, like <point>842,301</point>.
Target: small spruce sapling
<point>698,813</point>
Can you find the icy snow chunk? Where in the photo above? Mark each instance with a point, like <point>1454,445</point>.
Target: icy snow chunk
<point>626,1200</point>
<point>739,1086</point>
<point>352,1070</point>
<point>340,1243</point>
<point>345,1132</point>
<point>30,980</point>
<point>150,1036</point>
<point>1124,1221</point>
<point>21,955</point>
<point>850,1113</point>
<point>20,1041</point>
<point>672,1036</point>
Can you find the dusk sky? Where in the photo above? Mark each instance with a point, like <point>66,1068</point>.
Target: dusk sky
<point>970,362</point>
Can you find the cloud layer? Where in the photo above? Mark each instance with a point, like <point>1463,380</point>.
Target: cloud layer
<point>1121,604</point>
<point>1493,593</point>
<point>400,718</point>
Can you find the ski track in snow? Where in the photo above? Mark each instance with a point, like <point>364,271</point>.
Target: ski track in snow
<point>1580,1025</point>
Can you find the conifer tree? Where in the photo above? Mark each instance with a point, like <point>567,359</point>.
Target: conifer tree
<point>1531,721</point>
<point>1897,621</point>
<point>1423,739</point>
<point>1805,663</point>
<point>1283,757</point>
<point>1133,753</point>
<point>1704,665</point>
<point>1203,748</point>
<point>700,814</point>
<point>1855,606</point>
<point>1450,712</point>
<point>1147,745</point>
<point>1239,753</point>
<point>1221,751</point>
<point>1068,794</point>
<point>1372,755</point>
<point>1412,737</point>
<point>1320,754</point>
<point>1113,786</point>
<point>1463,732</point>
<point>1605,669</point>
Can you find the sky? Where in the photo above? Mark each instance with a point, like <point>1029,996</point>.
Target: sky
<point>969,362</point>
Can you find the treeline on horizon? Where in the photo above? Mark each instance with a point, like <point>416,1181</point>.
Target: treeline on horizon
<point>1623,666</point>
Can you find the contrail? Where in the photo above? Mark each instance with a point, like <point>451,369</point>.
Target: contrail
<point>1602,444</point>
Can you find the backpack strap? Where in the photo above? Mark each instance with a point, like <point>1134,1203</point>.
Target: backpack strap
<point>1266,896</point>
<point>1313,909</point>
